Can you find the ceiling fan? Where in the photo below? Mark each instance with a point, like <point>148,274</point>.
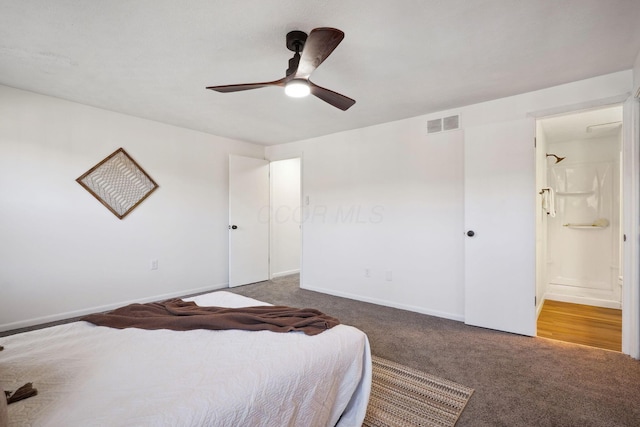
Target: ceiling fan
<point>310,52</point>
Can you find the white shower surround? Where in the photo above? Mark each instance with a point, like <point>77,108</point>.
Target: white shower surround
<point>583,262</point>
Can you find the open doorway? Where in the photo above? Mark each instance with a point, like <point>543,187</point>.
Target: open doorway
<point>579,234</point>
<point>285,230</point>
<point>264,219</point>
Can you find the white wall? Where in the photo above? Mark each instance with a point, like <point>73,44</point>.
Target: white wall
<point>403,190</point>
<point>379,200</point>
<point>636,76</point>
<point>285,217</point>
<point>62,253</point>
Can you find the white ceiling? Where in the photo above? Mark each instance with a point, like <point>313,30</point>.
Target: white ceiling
<point>589,124</point>
<point>399,59</point>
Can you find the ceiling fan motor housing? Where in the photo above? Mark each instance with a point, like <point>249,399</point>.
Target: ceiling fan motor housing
<point>295,40</point>
<point>295,43</point>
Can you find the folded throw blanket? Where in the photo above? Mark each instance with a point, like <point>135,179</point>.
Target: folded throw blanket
<point>179,315</point>
<point>22,393</point>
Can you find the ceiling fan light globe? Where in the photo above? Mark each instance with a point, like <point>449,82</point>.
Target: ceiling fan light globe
<point>297,88</point>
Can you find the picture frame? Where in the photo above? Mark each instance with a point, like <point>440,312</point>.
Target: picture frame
<point>118,182</point>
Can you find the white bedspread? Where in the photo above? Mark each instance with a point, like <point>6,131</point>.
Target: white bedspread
<point>89,375</point>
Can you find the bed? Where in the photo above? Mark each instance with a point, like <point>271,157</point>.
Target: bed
<point>89,375</point>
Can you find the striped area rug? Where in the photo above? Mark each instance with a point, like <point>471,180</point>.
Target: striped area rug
<point>405,397</point>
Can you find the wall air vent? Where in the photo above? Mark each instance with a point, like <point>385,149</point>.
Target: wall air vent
<point>451,122</point>
<point>444,124</point>
<point>434,126</point>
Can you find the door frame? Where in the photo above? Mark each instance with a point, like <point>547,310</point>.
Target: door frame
<point>631,213</point>
<point>541,253</point>
<point>629,207</point>
<point>302,209</point>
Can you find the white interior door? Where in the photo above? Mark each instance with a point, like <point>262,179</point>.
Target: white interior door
<point>248,220</point>
<point>500,213</point>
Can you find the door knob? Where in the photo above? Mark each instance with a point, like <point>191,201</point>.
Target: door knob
<point>471,233</point>
<point>233,227</point>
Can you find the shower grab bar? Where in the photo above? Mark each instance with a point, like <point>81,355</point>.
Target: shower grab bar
<point>599,223</point>
<point>575,193</point>
<point>568,193</point>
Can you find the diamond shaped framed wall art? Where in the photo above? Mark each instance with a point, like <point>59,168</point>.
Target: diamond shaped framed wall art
<point>118,182</point>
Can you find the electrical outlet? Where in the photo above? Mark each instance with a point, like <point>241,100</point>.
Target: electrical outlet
<point>367,272</point>
<point>154,264</point>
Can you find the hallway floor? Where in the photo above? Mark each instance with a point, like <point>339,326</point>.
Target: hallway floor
<point>581,324</point>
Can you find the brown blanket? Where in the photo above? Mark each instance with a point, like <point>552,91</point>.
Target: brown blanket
<point>179,315</point>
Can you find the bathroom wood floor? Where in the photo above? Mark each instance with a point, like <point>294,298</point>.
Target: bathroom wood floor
<point>581,324</point>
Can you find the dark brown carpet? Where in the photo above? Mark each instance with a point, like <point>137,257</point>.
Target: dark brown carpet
<point>518,381</point>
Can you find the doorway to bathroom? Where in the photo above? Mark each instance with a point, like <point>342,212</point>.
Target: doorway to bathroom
<point>579,235</point>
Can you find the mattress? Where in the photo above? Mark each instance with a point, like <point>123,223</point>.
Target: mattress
<point>89,375</point>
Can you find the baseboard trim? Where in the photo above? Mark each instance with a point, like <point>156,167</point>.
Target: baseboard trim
<point>583,300</point>
<point>386,303</point>
<point>98,309</point>
<point>284,273</point>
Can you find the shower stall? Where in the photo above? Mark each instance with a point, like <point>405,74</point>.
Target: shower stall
<point>579,211</point>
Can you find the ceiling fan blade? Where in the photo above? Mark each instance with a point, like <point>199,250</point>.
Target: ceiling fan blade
<point>246,86</point>
<point>334,98</point>
<point>318,46</point>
